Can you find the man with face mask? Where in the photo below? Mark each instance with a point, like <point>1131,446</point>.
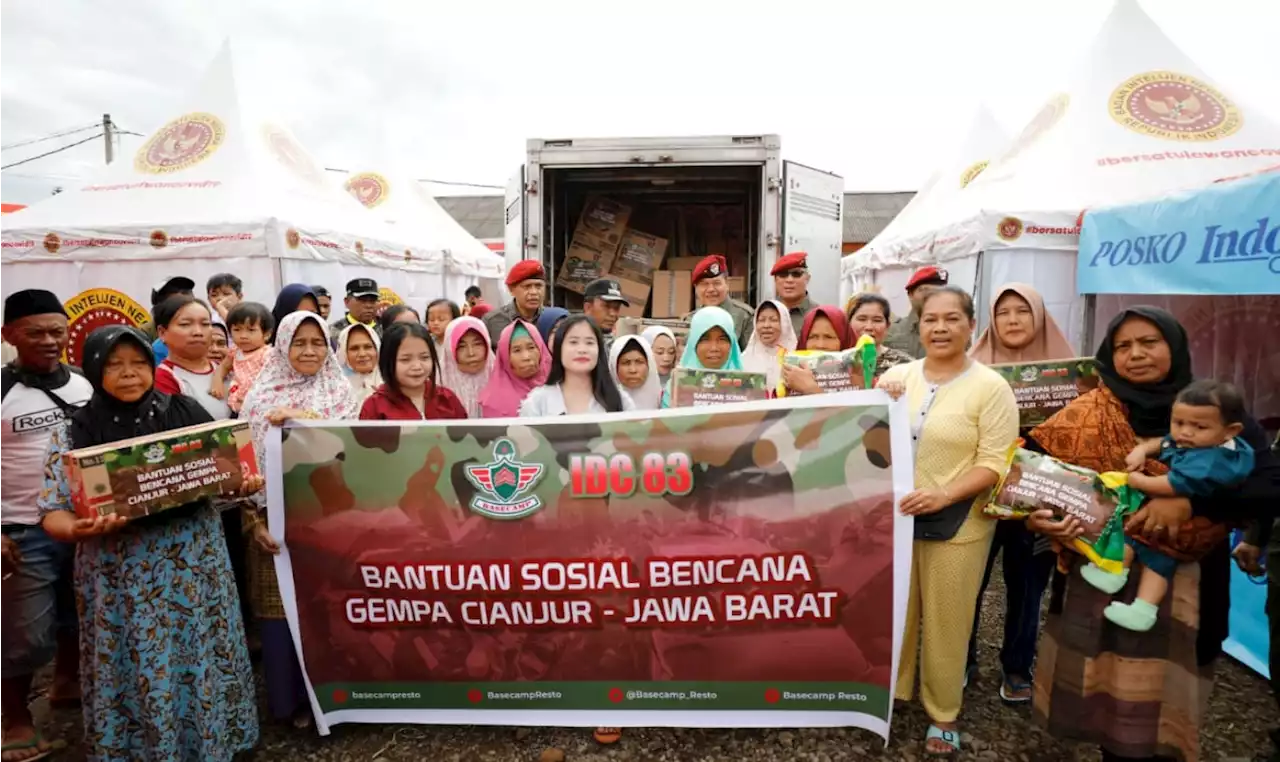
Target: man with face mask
<point>711,285</point>
<point>791,284</point>
<point>904,334</point>
<point>527,282</point>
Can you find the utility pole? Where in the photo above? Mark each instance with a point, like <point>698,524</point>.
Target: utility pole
<point>108,134</point>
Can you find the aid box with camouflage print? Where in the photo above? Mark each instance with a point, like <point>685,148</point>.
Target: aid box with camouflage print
<point>146,475</point>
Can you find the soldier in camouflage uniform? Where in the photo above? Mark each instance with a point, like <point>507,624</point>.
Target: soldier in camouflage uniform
<point>711,284</point>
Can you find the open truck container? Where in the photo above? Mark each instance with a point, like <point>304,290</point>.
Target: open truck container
<point>783,206</point>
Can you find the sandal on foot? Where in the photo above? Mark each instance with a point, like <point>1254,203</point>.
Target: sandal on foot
<point>33,744</point>
<point>608,735</point>
<point>1011,688</point>
<point>949,737</point>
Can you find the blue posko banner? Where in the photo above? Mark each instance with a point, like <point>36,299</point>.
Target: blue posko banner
<point>1224,239</point>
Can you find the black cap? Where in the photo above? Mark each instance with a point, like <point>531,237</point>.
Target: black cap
<point>319,290</point>
<point>36,301</point>
<point>362,287</point>
<point>606,289</point>
<point>168,287</point>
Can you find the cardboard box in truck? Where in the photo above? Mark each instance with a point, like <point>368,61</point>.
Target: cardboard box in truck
<point>672,294</point>
<point>604,221</point>
<point>586,260</point>
<point>738,288</point>
<point>683,263</point>
<point>637,294</point>
<point>638,256</point>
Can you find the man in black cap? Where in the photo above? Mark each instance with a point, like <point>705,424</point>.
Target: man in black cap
<point>362,306</point>
<point>602,302</point>
<point>39,623</point>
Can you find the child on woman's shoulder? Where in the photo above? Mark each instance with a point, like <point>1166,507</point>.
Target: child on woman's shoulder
<point>251,325</point>
<point>1204,453</point>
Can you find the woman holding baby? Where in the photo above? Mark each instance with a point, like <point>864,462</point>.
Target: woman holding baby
<point>1139,694</point>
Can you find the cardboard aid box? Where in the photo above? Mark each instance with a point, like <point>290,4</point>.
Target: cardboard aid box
<point>585,261</point>
<point>638,256</point>
<point>637,294</point>
<point>146,475</point>
<point>672,294</point>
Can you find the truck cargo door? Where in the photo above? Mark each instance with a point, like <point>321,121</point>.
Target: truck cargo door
<point>812,221</point>
<point>514,216</point>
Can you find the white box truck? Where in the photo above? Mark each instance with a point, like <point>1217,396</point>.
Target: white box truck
<point>784,206</point>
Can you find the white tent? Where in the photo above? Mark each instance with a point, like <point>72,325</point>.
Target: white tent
<point>1139,118</point>
<point>984,141</point>
<point>219,188</point>
<point>410,208</point>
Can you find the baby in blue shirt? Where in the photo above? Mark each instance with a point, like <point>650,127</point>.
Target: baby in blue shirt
<point>1204,454</point>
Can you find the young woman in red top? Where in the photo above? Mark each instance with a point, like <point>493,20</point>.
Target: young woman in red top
<point>411,389</point>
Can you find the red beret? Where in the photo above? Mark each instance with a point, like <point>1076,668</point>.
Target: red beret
<point>525,269</point>
<point>711,266</point>
<point>929,274</point>
<point>790,262</point>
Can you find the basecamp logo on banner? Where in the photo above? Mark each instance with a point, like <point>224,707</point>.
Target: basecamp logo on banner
<point>369,188</point>
<point>742,567</point>
<point>1166,104</point>
<point>95,308</point>
<point>180,144</point>
<point>503,483</point>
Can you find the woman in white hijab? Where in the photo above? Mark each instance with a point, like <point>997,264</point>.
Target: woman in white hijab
<point>358,348</point>
<point>663,348</point>
<point>773,331</point>
<point>634,369</point>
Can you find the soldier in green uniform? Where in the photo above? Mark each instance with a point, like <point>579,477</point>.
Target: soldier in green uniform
<point>711,285</point>
<point>904,334</point>
<point>527,282</point>
<point>791,285</point>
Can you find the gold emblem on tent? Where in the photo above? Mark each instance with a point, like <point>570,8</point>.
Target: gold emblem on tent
<point>369,188</point>
<point>292,239</point>
<point>1009,229</point>
<point>95,308</point>
<point>972,172</point>
<point>180,144</point>
<point>52,243</point>
<point>291,155</point>
<point>159,239</point>
<point>1173,106</point>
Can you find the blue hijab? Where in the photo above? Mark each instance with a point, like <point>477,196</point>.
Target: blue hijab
<point>704,320</point>
<point>288,299</point>
<point>548,319</point>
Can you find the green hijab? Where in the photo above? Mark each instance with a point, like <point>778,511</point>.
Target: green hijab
<point>704,320</point>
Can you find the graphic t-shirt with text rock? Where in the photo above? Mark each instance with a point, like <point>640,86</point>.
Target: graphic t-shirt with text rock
<point>29,417</point>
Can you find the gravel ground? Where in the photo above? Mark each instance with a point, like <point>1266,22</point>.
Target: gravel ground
<point>1240,713</point>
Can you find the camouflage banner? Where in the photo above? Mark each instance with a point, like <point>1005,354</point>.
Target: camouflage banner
<point>738,566</point>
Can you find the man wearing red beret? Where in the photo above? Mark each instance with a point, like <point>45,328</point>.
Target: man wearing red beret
<point>904,334</point>
<point>527,282</point>
<point>711,285</point>
<point>791,284</point>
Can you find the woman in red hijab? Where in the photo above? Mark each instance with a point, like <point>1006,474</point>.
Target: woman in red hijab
<point>824,330</point>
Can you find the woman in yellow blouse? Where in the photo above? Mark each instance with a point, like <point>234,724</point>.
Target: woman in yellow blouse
<point>963,419</point>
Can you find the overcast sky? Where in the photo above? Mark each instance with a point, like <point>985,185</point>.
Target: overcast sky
<point>875,91</point>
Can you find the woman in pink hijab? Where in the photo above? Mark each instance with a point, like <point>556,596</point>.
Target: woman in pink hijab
<point>466,364</point>
<point>523,363</point>
<point>1021,330</point>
